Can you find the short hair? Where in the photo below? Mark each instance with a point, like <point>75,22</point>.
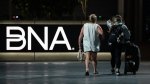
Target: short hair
<point>93,18</point>
<point>117,18</point>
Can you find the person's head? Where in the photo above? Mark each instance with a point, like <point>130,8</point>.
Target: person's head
<point>93,18</point>
<point>116,19</point>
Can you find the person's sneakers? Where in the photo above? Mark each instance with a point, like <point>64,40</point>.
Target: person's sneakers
<point>86,73</point>
<point>113,71</point>
<point>117,72</point>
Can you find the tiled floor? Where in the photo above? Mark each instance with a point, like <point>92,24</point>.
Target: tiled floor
<point>68,73</point>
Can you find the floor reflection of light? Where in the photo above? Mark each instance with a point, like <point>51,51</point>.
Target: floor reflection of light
<point>60,63</point>
<point>15,63</point>
<point>46,75</point>
<point>29,63</point>
<point>45,62</point>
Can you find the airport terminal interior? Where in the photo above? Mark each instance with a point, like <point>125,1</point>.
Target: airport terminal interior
<point>39,41</point>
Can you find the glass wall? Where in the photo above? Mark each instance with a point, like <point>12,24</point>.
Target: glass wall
<point>146,22</point>
<point>55,9</point>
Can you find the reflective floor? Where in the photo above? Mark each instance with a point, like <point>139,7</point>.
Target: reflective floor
<point>68,73</point>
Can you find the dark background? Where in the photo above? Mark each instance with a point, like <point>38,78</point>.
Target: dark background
<point>104,8</point>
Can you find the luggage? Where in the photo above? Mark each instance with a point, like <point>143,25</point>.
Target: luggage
<point>132,58</point>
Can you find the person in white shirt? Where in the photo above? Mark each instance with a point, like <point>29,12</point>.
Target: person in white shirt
<point>91,42</point>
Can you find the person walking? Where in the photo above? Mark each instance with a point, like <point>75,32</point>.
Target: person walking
<point>116,47</point>
<point>91,42</point>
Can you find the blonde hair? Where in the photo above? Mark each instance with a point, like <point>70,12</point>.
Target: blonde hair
<point>93,18</point>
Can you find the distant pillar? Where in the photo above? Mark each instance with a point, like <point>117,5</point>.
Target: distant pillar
<point>138,20</point>
<point>134,18</point>
<point>121,8</point>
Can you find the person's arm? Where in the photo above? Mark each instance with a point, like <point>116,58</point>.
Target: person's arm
<point>126,32</point>
<point>109,25</point>
<point>100,31</point>
<point>80,37</point>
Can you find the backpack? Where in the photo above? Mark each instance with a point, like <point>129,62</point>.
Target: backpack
<point>116,34</point>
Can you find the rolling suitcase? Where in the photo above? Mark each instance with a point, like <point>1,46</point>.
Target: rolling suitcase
<point>132,58</point>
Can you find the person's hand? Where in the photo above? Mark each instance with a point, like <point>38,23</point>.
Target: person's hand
<point>80,48</point>
<point>109,21</point>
